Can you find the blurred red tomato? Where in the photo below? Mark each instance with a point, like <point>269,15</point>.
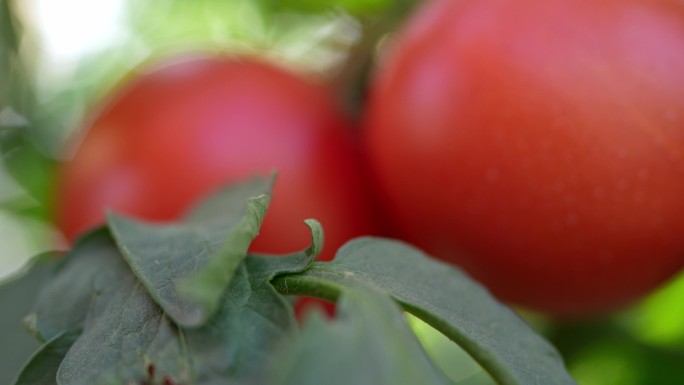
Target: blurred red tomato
<point>539,144</point>
<point>175,133</point>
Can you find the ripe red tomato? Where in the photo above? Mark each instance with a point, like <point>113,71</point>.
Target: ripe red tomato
<point>177,132</point>
<point>539,144</point>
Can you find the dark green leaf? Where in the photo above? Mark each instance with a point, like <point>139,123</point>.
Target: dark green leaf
<point>43,366</point>
<point>236,343</point>
<point>65,298</point>
<point>445,298</point>
<point>17,296</point>
<point>124,330</point>
<point>369,343</point>
<point>186,267</point>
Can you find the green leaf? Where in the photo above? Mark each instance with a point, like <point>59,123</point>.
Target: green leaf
<point>43,366</point>
<point>369,343</point>
<point>74,285</point>
<point>124,330</point>
<point>186,267</point>
<point>17,296</point>
<point>131,332</point>
<point>30,168</point>
<point>445,298</point>
<point>236,343</point>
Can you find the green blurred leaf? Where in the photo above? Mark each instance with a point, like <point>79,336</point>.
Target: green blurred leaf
<point>448,356</point>
<point>200,25</point>
<point>445,298</point>
<point>186,267</point>
<point>9,46</point>
<point>19,135</point>
<point>43,366</point>
<point>604,353</point>
<point>357,7</point>
<point>9,40</point>
<point>659,319</point>
<point>30,168</point>
<point>17,296</point>
<point>368,343</point>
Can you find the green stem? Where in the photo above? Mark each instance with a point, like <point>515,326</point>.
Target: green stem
<point>311,286</point>
<point>307,286</point>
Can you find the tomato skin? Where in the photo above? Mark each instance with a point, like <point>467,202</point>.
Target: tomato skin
<point>177,132</point>
<point>539,145</point>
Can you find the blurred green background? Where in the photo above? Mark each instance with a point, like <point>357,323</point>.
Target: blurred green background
<point>57,58</point>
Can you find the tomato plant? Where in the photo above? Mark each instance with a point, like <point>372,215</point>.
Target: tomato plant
<point>184,128</point>
<point>538,144</point>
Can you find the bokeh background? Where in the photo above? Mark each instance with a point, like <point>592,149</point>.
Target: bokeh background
<point>57,58</point>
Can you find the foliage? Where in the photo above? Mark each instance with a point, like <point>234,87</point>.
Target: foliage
<point>118,309</point>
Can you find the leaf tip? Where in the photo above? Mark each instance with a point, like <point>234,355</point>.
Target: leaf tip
<point>317,237</point>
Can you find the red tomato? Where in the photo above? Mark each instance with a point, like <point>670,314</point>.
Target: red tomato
<point>539,144</point>
<point>179,131</point>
